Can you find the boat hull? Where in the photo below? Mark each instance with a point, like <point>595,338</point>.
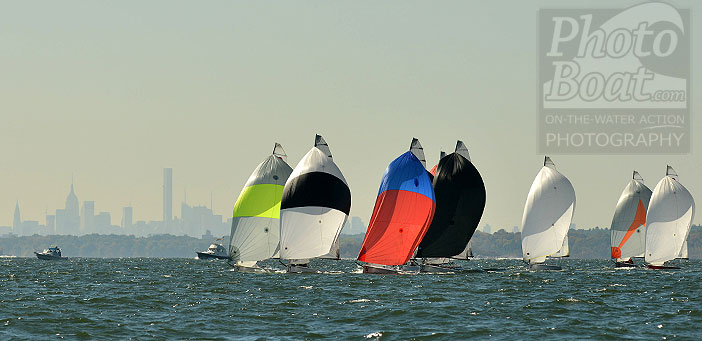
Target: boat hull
<point>545,267</point>
<point>205,255</point>
<point>662,267</point>
<point>379,270</point>
<point>48,257</point>
<point>250,269</point>
<point>439,269</point>
<point>301,269</point>
<point>624,264</point>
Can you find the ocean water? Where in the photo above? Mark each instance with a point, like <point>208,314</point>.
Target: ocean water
<point>193,299</point>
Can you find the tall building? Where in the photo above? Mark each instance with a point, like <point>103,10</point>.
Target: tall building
<point>51,224</point>
<point>87,218</point>
<point>167,196</point>
<point>68,219</point>
<point>127,216</point>
<point>487,229</point>
<point>103,221</point>
<point>17,221</point>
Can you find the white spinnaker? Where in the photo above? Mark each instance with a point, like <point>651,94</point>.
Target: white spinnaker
<point>311,231</point>
<point>418,151</point>
<point>548,213</point>
<point>669,218</point>
<point>634,194</point>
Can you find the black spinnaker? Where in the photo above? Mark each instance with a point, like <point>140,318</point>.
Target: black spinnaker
<point>460,201</point>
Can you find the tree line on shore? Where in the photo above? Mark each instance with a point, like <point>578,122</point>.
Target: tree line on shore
<point>586,244</point>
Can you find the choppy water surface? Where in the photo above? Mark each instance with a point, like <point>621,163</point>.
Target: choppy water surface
<point>186,298</point>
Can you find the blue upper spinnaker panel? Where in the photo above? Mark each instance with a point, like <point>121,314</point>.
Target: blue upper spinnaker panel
<point>408,174</point>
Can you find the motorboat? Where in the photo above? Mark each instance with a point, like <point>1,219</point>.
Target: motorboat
<point>51,253</point>
<point>215,251</point>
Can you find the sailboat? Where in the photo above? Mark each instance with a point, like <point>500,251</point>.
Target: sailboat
<point>315,206</point>
<point>403,211</point>
<point>460,201</point>
<point>548,213</point>
<point>669,218</point>
<point>255,234</point>
<point>628,231</point>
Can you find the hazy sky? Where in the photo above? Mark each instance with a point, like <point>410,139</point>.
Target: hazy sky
<point>113,92</point>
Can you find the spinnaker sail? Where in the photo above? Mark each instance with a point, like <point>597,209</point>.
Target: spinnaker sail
<point>315,205</point>
<point>548,213</point>
<point>668,221</point>
<point>628,231</point>
<point>255,232</point>
<point>460,201</point>
<point>403,211</point>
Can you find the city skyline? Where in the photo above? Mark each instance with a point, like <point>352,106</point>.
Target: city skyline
<point>81,218</point>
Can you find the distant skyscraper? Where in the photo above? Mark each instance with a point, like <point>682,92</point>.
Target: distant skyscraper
<point>87,218</point>
<point>167,196</point>
<point>515,229</point>
<point>51,223</point>
<point>17,221</point>
<point>68,219</point>
<point>487,229</point>
<point>127,216</point>
<point>103,221</point>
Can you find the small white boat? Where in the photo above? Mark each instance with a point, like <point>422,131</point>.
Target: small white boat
<point>215,251</point>
<point>50,254</point>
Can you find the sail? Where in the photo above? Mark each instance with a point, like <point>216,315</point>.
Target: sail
<point>418,151</point>
<point>335,252</point>
<point>255,232</point>
<point>462,149</point>
<point>403,211</point>
<point>564,251</point>
<point>279,152</point>
<point>628,231</point>
<point>467,252</point>
<point>315,205</point>
<point>683,251</point>
<point>669,218</point>
<point>548,213</point>
<point>322,145</point>
<point>460,201</point>
<point>433,169</point>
